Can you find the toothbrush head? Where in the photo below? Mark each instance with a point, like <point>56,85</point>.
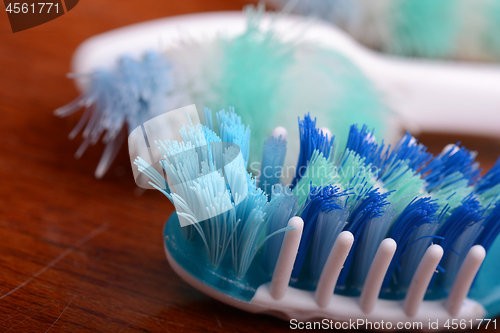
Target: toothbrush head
<point>370,241</point>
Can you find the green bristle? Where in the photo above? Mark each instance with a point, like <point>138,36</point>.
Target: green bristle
<point>452,193</point>
<point>319,173</point>
<point>424,27</point>
<point>405,184</point>
<point>351,171</point>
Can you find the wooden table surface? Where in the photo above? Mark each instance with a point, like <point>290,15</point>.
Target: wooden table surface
<point>81,254</point>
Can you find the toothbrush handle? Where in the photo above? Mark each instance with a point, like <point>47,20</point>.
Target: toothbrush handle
<point>439,96</point>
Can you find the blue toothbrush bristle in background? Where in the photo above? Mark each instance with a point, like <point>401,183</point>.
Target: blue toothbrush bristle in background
<point>117,100</point>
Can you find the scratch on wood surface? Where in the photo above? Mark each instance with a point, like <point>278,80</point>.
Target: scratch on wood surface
<point>218,321</point>
<point>133,321</point>
<point>89,271</point>
<point>82,241</point>
<point>22,321</point>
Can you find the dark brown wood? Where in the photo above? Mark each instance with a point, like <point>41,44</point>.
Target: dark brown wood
<point>77,253</point>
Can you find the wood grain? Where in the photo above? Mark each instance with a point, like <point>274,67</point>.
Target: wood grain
<point>77,253</point>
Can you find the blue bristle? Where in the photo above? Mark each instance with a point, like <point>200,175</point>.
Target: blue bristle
<point>232,130</point>
<point>282,207</point>
<point>415,249</point>
<point>273,157</point>
<point>362,142</point>
<point>491,227</point>
<point>328,227</point>
<point>408,150</point>
<point>443,166</point>
<point>373,234</point>
<point>364,206</point>
<point>418,212</point>
<point>459,232</point>
<point>321,199</point>
<point>127,95</point>
<point>311,139</point>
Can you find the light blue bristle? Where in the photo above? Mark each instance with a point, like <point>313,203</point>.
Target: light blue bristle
<point>417,213</point>
<point>311,139</point>
<point>156,179</point>
<point>328,227</point>
<point>459,232</point>
<point>214,192</point>
<point>282,207</point>
<point>232,130</point>
<point>132,92</point>
<point>321,199</point>
<point>251,214</point>
<point>273,157</point>
<point>364,206</point>
<point>208,118</point>
<point>236,175</point>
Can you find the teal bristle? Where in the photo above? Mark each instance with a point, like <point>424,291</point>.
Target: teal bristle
<point>391,168</point>
<point>311,139</point>
<point>249,232</point>
<point>403,181</point>
<point>419,212</point>
<point>424,28</point>
<point>282,207</point>
<point>320,199</point>
<point>488,187</point>
<point>318,173</point>
<point>459,233</point>
<point>273,158</point>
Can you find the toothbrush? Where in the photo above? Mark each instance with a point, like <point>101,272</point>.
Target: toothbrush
<point>456,29</point>
<point>425,95</point>
<point>357,225</point>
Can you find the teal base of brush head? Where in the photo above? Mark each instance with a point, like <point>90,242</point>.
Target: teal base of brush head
<point>254,292</point>
<point>196,263</point>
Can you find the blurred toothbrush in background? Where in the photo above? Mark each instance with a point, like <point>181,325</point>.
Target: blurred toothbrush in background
<point>445,29</point>
<point>266,66</point>
<point>273,68</point>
